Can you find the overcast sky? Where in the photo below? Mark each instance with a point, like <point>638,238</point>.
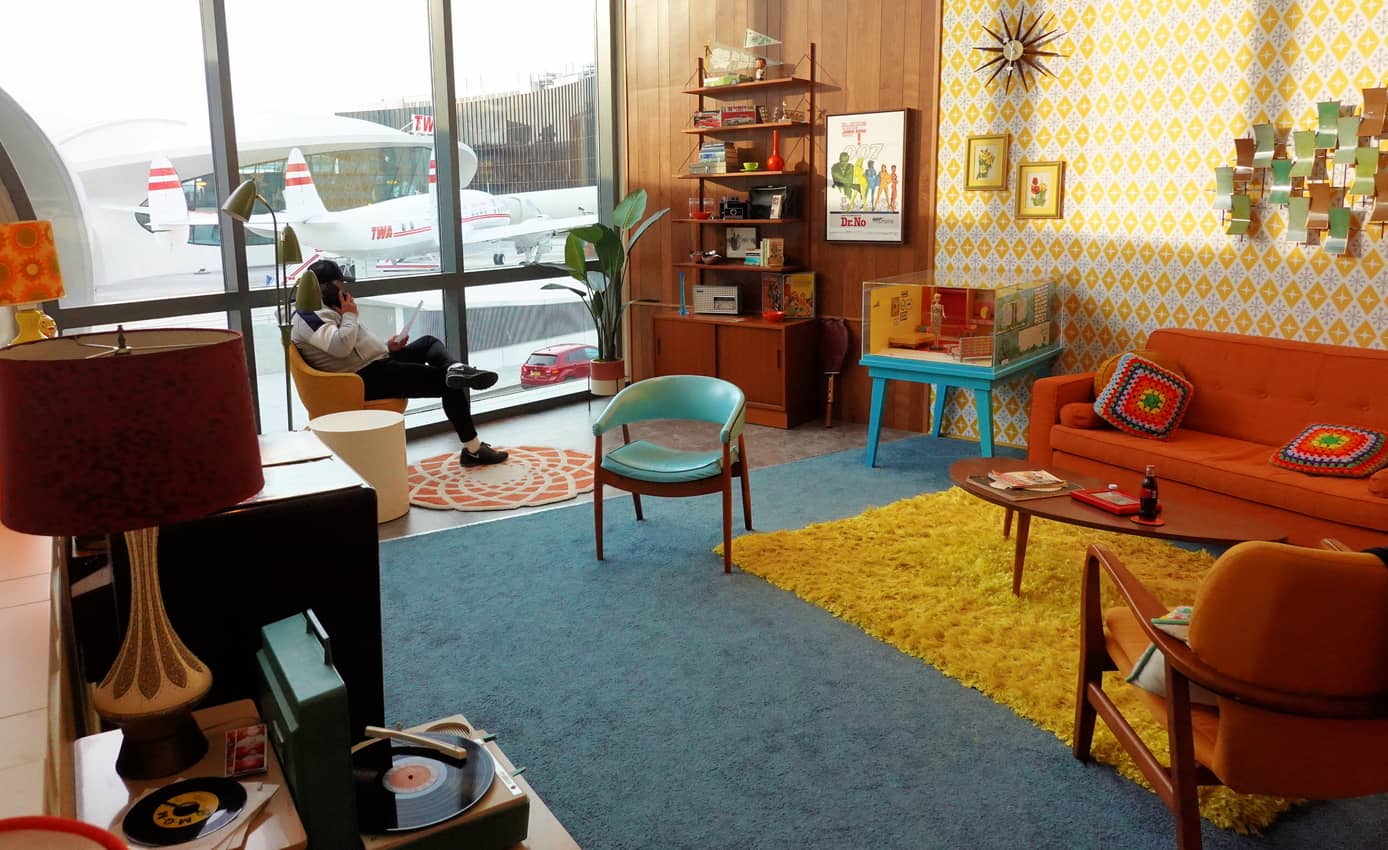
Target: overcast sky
<point>72,63</point>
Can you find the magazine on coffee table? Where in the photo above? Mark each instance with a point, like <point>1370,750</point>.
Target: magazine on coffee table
<point>1013,494</point>
<point>1025,479</point>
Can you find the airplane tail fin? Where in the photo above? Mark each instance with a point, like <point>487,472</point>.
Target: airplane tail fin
<point>433,179</point>
<point>168,208</point>
<point>301,199</point>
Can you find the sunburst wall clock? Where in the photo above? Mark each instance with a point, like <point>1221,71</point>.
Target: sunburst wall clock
<point>1019,50</point>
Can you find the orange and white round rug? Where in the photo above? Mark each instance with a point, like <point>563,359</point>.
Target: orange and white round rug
<point>532,475</point>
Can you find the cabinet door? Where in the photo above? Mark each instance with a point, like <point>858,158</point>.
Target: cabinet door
<point>752,358</point>
<point>683,347</point>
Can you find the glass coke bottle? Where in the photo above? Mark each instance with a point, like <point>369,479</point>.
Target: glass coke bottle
<point>1147,500</point>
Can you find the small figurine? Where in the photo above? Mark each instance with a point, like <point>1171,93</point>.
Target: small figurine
<point>937,316</point>
<point>760,72</point>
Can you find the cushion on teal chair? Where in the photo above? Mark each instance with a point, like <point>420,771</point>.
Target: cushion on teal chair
<point>649,462</point>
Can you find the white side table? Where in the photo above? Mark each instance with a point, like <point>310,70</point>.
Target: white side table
<point>372,443</point>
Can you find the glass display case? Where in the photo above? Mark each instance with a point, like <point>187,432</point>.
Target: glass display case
<point>990,319</point>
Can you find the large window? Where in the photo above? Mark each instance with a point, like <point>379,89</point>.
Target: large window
<point>332,111</point>
<point>123,103</point>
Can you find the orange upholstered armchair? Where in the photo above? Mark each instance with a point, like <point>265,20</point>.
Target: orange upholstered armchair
<point>331,392</point>
<point>1293,643</point>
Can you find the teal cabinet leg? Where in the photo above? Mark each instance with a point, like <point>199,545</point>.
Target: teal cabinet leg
<point>879,400</point>
<point>937,407</point>
<point>983,400</point>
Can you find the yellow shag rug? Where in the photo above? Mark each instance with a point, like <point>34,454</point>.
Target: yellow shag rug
<point>932,576</point>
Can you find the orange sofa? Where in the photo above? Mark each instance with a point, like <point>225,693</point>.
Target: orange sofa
<point>1252,395</point>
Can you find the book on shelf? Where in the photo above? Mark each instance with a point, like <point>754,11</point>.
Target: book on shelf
<point>1026,479</point>
<point>773,252</point>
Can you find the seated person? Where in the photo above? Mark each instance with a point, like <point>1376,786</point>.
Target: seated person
<point>332,340</point>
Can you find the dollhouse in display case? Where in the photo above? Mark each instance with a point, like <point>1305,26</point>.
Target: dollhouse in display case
<point>988,319</point>
<point>964,329</point>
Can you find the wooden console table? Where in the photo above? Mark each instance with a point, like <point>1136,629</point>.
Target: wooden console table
<point>941,375</point>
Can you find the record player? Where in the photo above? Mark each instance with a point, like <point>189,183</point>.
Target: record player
<point>380,793</point>
<point>436,800</point>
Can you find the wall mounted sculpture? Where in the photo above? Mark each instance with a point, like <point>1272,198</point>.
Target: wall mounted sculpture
<point>1332,179</point>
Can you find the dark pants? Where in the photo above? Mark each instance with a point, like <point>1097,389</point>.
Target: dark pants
<point>417,371</point>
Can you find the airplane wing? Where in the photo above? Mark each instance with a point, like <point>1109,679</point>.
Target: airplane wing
<point>529,227</point>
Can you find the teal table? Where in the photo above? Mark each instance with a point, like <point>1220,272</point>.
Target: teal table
<point>941,375</point>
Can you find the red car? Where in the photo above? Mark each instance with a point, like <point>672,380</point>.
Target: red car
<point>555,363</point>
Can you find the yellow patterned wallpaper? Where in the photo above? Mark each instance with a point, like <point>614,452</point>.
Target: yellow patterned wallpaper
<point>1142,110</point>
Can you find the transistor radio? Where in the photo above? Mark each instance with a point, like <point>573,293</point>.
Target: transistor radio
<point>716,299</point>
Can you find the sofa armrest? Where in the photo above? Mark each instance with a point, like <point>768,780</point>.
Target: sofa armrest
<point>1378,483</point>
<point>1048,396</point>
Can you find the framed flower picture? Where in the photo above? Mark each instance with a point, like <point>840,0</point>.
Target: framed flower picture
<point>985,164</point>
<point>1041,190</point>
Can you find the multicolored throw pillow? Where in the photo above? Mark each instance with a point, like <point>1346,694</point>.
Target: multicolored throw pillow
<point>1144,399</point>
<point>1340,450</point>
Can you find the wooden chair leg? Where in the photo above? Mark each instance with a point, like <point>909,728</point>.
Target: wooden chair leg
<point>636,500</point>
<point>727,524</point>
<point>597,494</point>
<point>597,514</point>
<point>746,485</point>
<point>1093,654</point>
<point>1185,802</point>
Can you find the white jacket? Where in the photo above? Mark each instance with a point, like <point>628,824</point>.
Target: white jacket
<point>339,343</point>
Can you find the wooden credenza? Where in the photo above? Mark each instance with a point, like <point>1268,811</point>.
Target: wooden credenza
<point>773,363</point>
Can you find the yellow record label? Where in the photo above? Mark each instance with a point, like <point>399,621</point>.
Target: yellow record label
<point>190,807</point>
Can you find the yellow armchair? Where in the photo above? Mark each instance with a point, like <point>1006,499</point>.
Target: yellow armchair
<point>331,392</point>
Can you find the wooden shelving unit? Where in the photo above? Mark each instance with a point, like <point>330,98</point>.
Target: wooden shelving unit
<point>772,362</point>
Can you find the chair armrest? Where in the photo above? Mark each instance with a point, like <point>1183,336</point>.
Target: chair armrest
<point>1182,659</point>
<point>1334,545</point>
<point>1048,396</point>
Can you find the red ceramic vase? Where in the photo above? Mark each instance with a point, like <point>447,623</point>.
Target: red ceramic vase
<point>774,162</point>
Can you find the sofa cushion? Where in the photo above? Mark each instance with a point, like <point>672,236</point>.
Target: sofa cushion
<point>1144,399</point>
<point>1264,390</point>
<point>1231,467</point>
<point>1341,450</point>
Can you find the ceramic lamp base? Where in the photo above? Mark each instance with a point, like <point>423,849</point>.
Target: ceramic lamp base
<point>161,746</point>
<point>34,324</point>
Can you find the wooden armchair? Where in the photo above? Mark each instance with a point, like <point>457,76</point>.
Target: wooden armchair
<point>654,470</point>
<point>1294,643</point>
<point>331,392</point>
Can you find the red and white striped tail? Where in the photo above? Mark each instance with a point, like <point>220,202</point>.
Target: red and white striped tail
<point>168,208</point>
<point>301,199</point>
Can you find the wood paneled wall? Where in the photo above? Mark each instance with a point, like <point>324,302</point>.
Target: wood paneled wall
<point>871,56</point>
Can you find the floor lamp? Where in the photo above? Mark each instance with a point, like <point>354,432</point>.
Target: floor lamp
<point>122,432</point>
<point>238,205</point>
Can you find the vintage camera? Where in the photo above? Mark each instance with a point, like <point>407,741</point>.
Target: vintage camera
<point>732,208</point>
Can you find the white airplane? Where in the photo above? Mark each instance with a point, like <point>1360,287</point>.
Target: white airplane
<point>389,231</point>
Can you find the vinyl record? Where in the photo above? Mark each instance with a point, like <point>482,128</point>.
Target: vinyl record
<point>183,811</point>
<point>402,786</point>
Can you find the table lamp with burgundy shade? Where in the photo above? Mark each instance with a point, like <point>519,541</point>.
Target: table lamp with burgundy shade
<point>123,432</point>
<point>29,275</point>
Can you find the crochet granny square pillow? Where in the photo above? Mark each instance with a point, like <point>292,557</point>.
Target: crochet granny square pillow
<point>1340,450</point>
<point>1144,399</point>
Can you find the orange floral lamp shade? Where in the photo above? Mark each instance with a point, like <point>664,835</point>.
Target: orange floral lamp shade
<point>29,270</point>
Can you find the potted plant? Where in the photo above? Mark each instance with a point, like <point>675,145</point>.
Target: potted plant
<point>604,288</point>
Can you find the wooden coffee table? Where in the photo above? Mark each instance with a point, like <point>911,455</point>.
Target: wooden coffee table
<point>1204,522</point>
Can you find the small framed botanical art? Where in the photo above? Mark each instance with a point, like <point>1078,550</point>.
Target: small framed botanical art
<point>1041,190</point>
<point>985,164</point>
<point>740,241</point>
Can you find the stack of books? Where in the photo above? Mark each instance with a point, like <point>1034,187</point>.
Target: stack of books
<point>715,158</point>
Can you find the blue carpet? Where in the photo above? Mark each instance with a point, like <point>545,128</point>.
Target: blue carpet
<point>658,703</point>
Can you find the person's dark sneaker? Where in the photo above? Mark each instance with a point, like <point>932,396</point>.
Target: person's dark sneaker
<point>484,456</point>
<point>464,377</point>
